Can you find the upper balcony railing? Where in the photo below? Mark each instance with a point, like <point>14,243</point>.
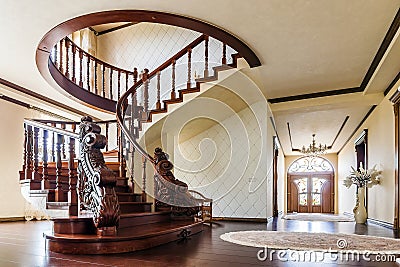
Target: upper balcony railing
<point>91,73</point>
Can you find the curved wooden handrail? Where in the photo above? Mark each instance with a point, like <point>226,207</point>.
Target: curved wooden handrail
<point>133,89</point>
<point>99,61</point>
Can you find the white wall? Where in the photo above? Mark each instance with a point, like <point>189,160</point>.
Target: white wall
<point>231,162</point>
<point>380,125</point>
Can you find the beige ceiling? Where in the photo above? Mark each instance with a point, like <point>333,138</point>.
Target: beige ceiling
<point>305,46</point>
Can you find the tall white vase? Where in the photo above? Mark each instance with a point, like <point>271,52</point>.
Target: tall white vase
<point>360,213</point>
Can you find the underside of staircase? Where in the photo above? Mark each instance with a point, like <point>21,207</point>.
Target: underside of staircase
<point>141,224</point>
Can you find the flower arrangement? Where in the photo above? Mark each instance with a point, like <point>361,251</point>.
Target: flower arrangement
<point>363,177</point>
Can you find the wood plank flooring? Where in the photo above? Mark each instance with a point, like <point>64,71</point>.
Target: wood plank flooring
<point>22,244</point>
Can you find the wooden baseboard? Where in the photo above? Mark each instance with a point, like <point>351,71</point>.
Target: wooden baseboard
<point>380,223</point>
<point>12,219</point>
<point>233,219</point>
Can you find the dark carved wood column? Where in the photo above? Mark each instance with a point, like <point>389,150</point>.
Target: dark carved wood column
<point>45,172</point>
<point>28,152</point>
<point>96,181</point>
<point>396,105</point>
<point>35,174</point>
<point>275,179</point>
<point>72,193</point>
<point>59,190</point>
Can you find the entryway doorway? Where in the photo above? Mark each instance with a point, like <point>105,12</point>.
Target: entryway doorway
<point>310,186</point>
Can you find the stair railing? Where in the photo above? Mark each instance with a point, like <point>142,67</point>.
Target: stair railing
<point>145,97</point>
<point>91,73</point>
<point>53,144</point>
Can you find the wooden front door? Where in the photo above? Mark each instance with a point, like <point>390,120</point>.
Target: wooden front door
<point>311,192</point>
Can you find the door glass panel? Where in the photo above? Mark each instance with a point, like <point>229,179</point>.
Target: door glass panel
<point>317,184</point>
<point>302,185</point>
<point>316,199</point>
<point>303,199</point>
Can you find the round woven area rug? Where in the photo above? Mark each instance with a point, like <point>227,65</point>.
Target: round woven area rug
<point>313,241</point>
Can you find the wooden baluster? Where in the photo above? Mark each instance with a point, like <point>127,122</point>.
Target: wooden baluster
<point>45,172</point>
<point>119,84</point>
<point>35,173</point>
<point>73,127</point>
<point>122,166</point>
<point>22,174</point>
<point>146,91</point>
<point>28,149</point>
<point>173,95</point>
<point>80,68</point>
<point>111,82</point>
<point>158,104</point>
<point>107,126</point>
<point>189,79</point>
<point>144,198</point>
<point>103,81</point>
<point>126,81</point>
<point>55,54</point>
<point>73,63</point>
<point>135,77</point>
<point>61,68</point>
<point>95,78</point>
<point>63,155</point>
<point>59,191</point>
<point>67,58</point>
<point>206,57</point>
<point>72,193</point>
<point>224,54</point>
<point>132,154</point>
<point>53,140</point>
<point>88,72</point>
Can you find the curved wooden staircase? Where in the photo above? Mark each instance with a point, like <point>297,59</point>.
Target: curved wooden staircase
<point>132,223</point>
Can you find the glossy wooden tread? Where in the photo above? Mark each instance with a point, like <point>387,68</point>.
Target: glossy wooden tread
<point>126,240</point>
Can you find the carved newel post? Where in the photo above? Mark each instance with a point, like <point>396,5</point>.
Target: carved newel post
<point>96,181</point>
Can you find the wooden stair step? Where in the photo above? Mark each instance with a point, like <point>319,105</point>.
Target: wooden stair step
<point>57,205</point>
<point>129,197</point>
<point>126,239</point>
<point>132,207</point>
<point>135,219</point>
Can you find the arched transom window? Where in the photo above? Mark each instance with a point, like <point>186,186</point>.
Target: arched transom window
<point>311,164</point>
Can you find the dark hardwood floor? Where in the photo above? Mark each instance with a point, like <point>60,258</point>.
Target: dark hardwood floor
<point>22,244</point>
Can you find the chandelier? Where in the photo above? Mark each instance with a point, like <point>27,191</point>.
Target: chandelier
<point>313,150</point>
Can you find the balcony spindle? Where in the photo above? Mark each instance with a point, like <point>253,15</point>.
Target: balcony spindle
<point>67,58</point>
<point>55,54</point>
<point>35,173</point>
<point>111,83</point>
<point>73,63</point>
<point>189,79</point>
<point>95,78</point>
<point>132,167</point>
<point>206,57</point>
<point>103,80</point>
<point>28,153</point>
<point>224,54</point>
<point>45,172</point>
<point>72,193</point>
<point>158,104</point>
<point>59,191</point>
<point>173,95</point>
<point>61,68</point>
<point>80,68</point>
<point>135,75</point>
<point>122,166</point>
<point>107,129</point>
<point>88,72</point>
<point>119,85</point>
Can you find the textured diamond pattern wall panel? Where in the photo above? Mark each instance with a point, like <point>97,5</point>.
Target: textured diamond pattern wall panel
<point>226,163</point>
